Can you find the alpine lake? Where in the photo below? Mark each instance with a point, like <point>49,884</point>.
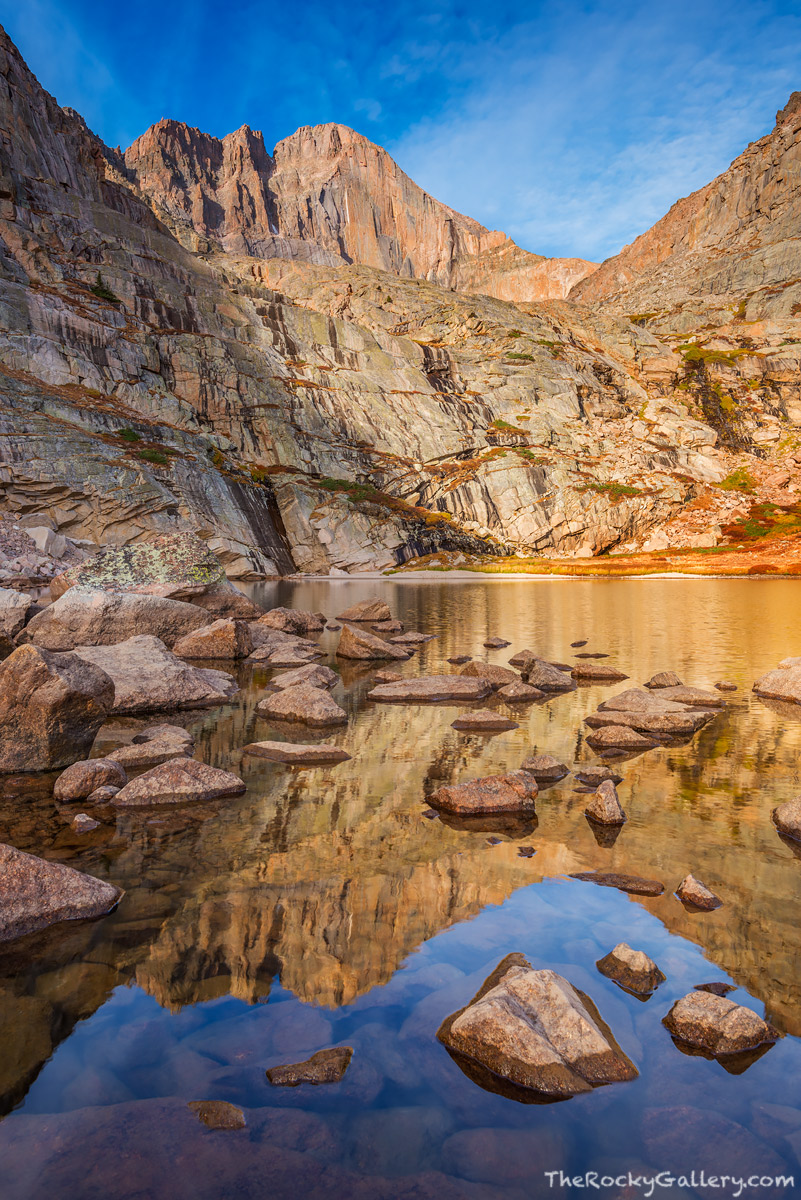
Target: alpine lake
<point>327,906</point>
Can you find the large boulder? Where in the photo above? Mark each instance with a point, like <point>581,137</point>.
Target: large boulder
<point>179,781</point>
<point>35,894</point>
<point>304,704</point>
<point>534,1030</point>
<point>222,639</point>
<point>293,620</point>
<point>494,794</point>
<point>782,684</point>
<point>497,676</point>
<point>359,644</point>
<point>85,777</point>
<point>13,613</point>
<point>51,707</point>
<point>367,610</point>
<point>95,618</point>
<point>148,677</point>
<point>717,1025</point>
<point>787,819</point>
<point>430,689</point>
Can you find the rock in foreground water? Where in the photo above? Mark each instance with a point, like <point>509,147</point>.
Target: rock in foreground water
<point>326,1066</point>
<point>359,644</point>
<point>314,674</point>
<point>664,679</point>
<point>154,745</point>
<point>534,1030</point>
<point>484,722</point>
<point>545,768</point>
<point>519,693</point>
<point>293,620</point>
<point>787,819</point>
<point>366,610</point>
<point>83,618</point>
<point>512,793</point>
<point>305,704</point>
<point>547,678</point>
<point>35,894</point>
<point>782,684</point>
<point>619,737</point>
<point>218,1114</point>
<point>83,778</point>
<point>497,676</point>
<point>591,672</point>
<point>51,707</point>
<point>221,639</point>
<point>432,688</point>
<point>179,781</point>
<point>148,677</point>
<point>297,754</point>
<point>631,969</point>
<point>717,1025</point>
<point>692,891</point>
<point>624,883</point>
<point>605,806</point>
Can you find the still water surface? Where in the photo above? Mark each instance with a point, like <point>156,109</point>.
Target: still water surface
<point>323,907</point>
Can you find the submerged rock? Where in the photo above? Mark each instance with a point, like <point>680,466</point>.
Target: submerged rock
<point>631,969</point>
<point>83,823</point>
<point>545,768</point>
<point>83,618</point>
<point>83,778</point>
<point>326,1066</point>
<point>179,781</point>
<point>412,639</point>
<point>147,677</point>
<point>535,1031</point>
<point>512,793</point>
<point>35,894</point>
<point>624,883</point>
<point>432,688</point>
<point>314,674</point>
<point>496,676</point>
<point>605,806</point>
<point>221,639</point>
<point>305,704</point>
<point>717,1025</point>
<point>51,707</point>
<point>787,819</point>
<point>297,754</point>
<point>367,610</point>
<point>218,1114</point>
<point>692,891</point>
<point>484,722</point>
<point>359,644</point>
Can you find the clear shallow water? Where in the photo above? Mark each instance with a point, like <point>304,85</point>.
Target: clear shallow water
<point>323,908</point>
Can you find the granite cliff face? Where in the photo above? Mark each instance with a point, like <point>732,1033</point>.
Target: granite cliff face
<point>184,343</point>
<point>329,196</point>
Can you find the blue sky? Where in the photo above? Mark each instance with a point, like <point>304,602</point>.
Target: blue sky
<point>572,126</point>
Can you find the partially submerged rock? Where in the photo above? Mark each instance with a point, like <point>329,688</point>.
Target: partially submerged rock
<point>679,722</point>
<point>512,793</point>
<point>632,884</point>
<point>693,697</point>
<point>605,806</point>
<point>148,677</point>
<point>179,781</point>
<point>594,776</point>
<point>535,1031</point>
<point>83,823</point>
<point>496,676</point>
<point>664,679</point>
<point>519,693</point>
<point>221,639</point>
<point>218,1114</point>
<point>588,672</point>
<point>35,894</point>
<point>717,1025</point>
<point>97,618</point>
<point>619,737</point>
<point>631,969</point>
<point>297,754</point>
<point>545,768</point>
<point>154,745</point>
<point>432,688</point>
<point>51,707</point>
<point>787,819</point>
<point>458,659</point>
<point>387,676</point>
<point>523,657</point>
<point>359,644</point>
<point>367,610</point>
<point>326,1066</point>
<point>496,643</point>
<point>411,638</point>
<point>692,891</point>
<point>293,620</point>
<point>83,778</point>
<point>484,722</point>
<point>547,678</point>
<point>314,674</point>
<point>782,684</point>
<point>725,685</point>
<point>305,704</point>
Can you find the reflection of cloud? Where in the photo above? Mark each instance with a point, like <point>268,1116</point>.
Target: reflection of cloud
<point>573,130</point>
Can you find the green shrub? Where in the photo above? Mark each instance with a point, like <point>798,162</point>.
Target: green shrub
<point>154,456</point>
<point>103,292</point>
<point>739,481</point>
<point>130,435</point>
<point>520,357</point>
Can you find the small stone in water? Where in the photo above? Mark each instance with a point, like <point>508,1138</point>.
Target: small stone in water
<point>493,841</point>
<point>326,1066</point>
<point>578,645</point>
<point>526,851</point>
<point>218,1114</point>
<point>83,823</point>
<point>496,643</point>
<point>458,659</point>
<point>692,891</point>
<point>725,686</point>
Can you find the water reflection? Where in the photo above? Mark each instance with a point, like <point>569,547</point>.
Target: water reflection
<point>320,884</point>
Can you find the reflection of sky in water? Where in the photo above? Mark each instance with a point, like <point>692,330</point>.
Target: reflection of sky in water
<point>323,908</point>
